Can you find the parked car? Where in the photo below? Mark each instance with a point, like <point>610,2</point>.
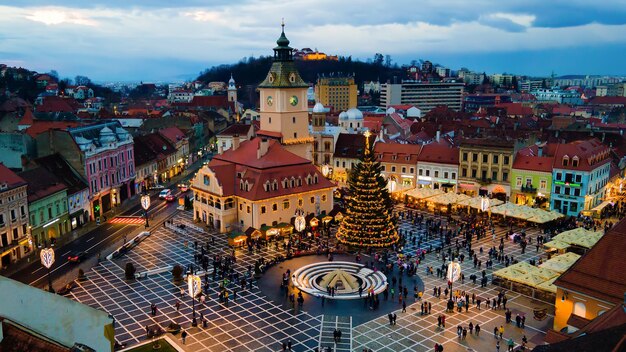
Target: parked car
<point>76,257</point>
<point>164,193</point>
<point>170,198</point>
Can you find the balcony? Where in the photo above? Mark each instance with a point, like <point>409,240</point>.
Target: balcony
<point>529,189</point>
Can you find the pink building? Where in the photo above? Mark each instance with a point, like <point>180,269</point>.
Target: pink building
<point>103,154</point>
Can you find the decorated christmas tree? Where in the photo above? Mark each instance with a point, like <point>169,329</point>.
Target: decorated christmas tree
<point>369,220</point>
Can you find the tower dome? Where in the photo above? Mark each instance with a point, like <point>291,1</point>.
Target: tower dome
<point>231,82</point>
<point>318,108</point>
<point>343,115</point>
<point>355,114</point>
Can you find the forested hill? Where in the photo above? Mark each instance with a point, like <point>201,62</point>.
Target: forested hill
<point>253,70</point>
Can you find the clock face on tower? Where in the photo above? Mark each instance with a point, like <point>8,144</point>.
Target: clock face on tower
<point>293,100</point>
<point>270,100</point>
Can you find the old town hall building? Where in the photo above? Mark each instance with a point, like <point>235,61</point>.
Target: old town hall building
<point>265,181</point>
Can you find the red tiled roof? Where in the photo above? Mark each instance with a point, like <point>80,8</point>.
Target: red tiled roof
<point>402,107</point>
<point>591,153</point>
<point>27,119</point>
<point>238,128</point>
<point>39,127</point>
<point>220,101</point>
<point>441,153</point>
<point>403,123</point>
<point>10,178</point>
<point>56,104</point>
<point>598,273</point>
<point>41,183</point>
<point>269,134</point>
<point>516,109</point>
<point>386,151</point>
<point>608,101</point>
<point>172,134</point>
<point>277,164</point>
<point>528,159</point>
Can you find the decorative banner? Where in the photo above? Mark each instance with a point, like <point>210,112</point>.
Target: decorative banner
<point>145,202</point>
<point>47,257</point>
<point>299,223</point>
<point>454,272</point>
<point>194,285</point>
<point>484,204</point>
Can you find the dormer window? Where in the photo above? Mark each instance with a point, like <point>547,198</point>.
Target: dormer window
<point>266,186</point>
<point>275,185</point>
<point>380,156</point>
<point>407,158</point>
<point>299,181</point>
<point>308,179</point>
<point>394,157</point>
<point>315,179</point>
<point>575,161</point>
<point>566,160</point>
<point>293,182</point>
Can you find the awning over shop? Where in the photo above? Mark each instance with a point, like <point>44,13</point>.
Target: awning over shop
<point>526,274</point>
<point>561,263</point>
<point>448,198</point>
<point>422,193</point>
<point>475,202</point>
<point>601,206</point>
<point>579,237</point>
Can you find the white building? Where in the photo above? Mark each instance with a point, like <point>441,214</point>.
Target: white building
<point>426,95</point>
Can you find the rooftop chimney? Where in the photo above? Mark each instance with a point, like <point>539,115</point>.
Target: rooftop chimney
<point>540,150</point>
<point>263,146</point>
<point>438,137</point>
<point>235,141</point>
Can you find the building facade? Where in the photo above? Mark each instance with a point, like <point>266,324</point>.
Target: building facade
<point>399,162</point>
<point>340,93</point>
<point>485,167</point>
<point>103,155</point>
<point>580,174</point>
<point>47,204</point>
<point>425,95</point>
<point>257,184</point>
<point>15,241</point>
<point>438,166</point>
<point>531,176</point>
<point>570,97</point>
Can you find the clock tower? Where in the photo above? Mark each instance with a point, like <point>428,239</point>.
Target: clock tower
<point>284,106</point>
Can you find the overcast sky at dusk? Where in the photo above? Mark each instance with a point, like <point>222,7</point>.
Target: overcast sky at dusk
<point>154,40</point>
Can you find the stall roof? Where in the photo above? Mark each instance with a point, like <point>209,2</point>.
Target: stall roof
<point>561,263</point>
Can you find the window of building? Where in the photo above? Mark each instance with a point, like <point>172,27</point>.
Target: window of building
<point>577,192</point>
<point>263,209</point>
<point>518,181</point>
<point>13,215</point>
<point>312,199</point>
<point>494,176</point>
<point>436,173</point>
<point>300,202</point>
<point>285,204</point>
<point>240,207</point>
<point>412,170</point>
<point>557,189</point>
<point>464,156</point>
<point>575,161</point>
<point>293,119</point>
<point>506,160</point>
<point>2,220</point>
<point>558,176</point>
<point>15,233</point>
<point>274,207</point>
<point>393,169</point>
<point>475,157</point>
<point>495,159</point>
<point>404,169</point>
<point>543,184</point>
<point>485,158</point>
<point>270,119</point>
<point>579,178</point>
<point>473,173</point>
<point>420,171</point>
<point>565,160</point>
<point>323,197</point>
<point>248,209</point>
<point>49,212</point>
<point>427,172</point>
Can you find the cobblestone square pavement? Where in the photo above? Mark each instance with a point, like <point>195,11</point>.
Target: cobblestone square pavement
<point>255,323</point>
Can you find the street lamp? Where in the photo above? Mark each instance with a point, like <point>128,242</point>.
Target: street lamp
<point>145,204</point>
<point>194,285</point>
<point>299,222</point>
<point>47,259</point>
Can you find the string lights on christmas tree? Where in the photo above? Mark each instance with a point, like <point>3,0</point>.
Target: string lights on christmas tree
<point>369,220</point>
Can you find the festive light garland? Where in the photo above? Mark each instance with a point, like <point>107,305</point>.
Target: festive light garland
<point>369,220</point>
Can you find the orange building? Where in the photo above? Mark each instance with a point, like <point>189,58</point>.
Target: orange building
<point>594,284</point>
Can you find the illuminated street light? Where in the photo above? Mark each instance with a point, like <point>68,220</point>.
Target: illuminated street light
<point>47,259</point>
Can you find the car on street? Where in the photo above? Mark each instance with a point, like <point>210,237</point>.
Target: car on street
<point>170,198</point>
<point>164,193</point>
<point>76,257</point>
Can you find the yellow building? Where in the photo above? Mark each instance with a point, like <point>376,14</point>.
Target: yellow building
<point>594,284</point>
<point>485,167</point>
<point>340,93</point>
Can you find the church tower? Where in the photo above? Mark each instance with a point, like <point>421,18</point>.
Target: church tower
<point>283,100</point>
<point>232,89</point>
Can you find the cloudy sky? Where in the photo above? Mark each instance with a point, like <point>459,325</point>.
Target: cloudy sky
<point>165,39</point>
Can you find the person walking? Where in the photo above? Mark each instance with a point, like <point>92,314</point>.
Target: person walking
<point>477,328</point>
<point>501,331</point>
<point>183,335</point>
<point>511,344</point>
<point>498,346</point>
<point>403,306</point>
